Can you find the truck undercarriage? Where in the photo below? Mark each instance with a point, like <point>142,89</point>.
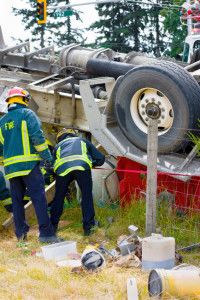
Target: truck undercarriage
<point>108,94</point>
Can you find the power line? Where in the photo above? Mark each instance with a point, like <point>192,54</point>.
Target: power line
<point>81,4</point>
<point>170,6</point>
<point>147,2</point>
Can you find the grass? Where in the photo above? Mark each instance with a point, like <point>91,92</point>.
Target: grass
<point>23,275</point>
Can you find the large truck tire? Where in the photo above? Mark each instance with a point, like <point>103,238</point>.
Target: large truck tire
<point>172,89</point>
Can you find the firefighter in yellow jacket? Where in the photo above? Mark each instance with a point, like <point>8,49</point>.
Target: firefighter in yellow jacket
<point>73,159</point>
<point>22,145</point>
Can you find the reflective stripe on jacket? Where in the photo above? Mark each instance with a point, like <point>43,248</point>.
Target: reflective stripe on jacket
<point>75,153</point>
<point>22,141</point>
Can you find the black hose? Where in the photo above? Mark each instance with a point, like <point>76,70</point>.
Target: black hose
<point>107,68</point>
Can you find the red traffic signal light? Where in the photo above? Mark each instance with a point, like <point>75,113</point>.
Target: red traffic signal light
<point>41,11</point>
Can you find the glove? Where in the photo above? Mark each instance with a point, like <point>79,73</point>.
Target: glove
<point>48,165</point>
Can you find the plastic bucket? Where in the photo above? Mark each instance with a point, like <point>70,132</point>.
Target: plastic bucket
<point>178,283</point>
<point>158,252</point>
<point>58,251</point>
<point>92,259</point>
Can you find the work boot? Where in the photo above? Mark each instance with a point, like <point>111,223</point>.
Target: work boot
<point>87,232</point>
<point>22,238</point>
<point>92,229</point>
<point>50,239</point>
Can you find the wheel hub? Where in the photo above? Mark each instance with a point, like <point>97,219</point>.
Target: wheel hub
<point>151,103</point>
<point>153,111</point>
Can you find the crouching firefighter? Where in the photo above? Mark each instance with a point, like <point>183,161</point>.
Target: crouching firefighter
<point>23,146</point>
<point>73,159</point>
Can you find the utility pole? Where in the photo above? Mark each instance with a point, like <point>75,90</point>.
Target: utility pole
<point>68,26</point>
<point>189,20</point>
<point>153,112</point>
<point>157,25</point>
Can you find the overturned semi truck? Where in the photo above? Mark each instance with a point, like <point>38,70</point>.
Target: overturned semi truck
<point>109,95</point>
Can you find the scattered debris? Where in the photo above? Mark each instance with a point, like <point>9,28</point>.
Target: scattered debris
<point>190,247</point>
<point>111,253</point>
<point>178,282</point>
<point>126,247</point>
<point>128,254</point>
<point>127,244</point>
<point>158,252</point>
<point>110,220</point>
<point>59,251</point>
<point>138,249</point>
<point>132,229</point>
<point>33,252</point>
<point>186,267</point>
<point>71,263</point>
<point>39,254</point>
<point>178,258</point>
<point>74,256</point>
<point>132,291</point>
<point>77,270</point>
<point>92,259</point>
<point>128,261</point>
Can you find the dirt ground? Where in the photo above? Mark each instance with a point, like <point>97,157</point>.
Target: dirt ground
<point>25,276</point>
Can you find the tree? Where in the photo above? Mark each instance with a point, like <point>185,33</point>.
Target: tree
<point>156,31</point>
<point>64,32</point>
<point>174,28</point>
<point>58,31</point>
<point>121,26</point>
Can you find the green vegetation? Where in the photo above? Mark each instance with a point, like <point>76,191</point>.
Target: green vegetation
<point>57,31</point>
<point>174,29</point>
<point>153,27</point>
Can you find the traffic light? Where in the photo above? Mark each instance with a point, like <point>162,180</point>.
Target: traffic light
<point>41,11</point>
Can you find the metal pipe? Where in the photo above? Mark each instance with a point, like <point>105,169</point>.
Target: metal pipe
<point>195,64</point>
<point>190,248</point>
<point>100,67</point>
<point>97,91</point>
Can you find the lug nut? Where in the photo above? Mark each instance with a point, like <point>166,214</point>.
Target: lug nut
<point>171,113</point>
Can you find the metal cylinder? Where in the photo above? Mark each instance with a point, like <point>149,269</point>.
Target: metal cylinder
<point>78,56</point>
<point>178,283</point>
<point>102,67</point>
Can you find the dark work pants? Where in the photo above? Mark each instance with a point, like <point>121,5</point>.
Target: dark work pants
<point>84,180</point>
<point>34,182</point>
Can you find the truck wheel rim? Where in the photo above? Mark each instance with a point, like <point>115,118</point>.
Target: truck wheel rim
<point>138,105</point>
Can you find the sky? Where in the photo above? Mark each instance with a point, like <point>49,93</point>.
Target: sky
<point>12,26</point>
